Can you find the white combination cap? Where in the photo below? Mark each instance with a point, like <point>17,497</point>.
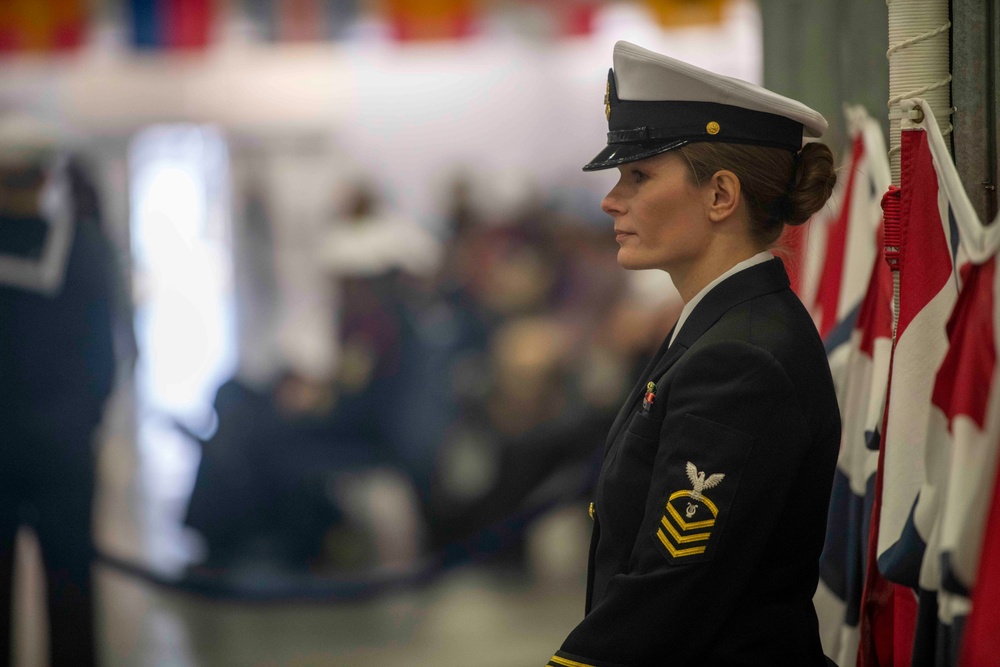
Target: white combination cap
<point>655,103</point>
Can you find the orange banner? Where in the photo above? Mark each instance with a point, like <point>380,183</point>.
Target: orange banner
<point>430,19</point>
<point>41,25</point>
<point>678,13</point>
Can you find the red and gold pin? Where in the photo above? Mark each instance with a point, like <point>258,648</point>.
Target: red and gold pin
<point>650,398</point>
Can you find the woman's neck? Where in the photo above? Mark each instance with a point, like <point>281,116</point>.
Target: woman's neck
<point>691,279</point>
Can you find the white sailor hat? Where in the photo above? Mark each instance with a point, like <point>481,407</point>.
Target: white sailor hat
<point>655,103</point>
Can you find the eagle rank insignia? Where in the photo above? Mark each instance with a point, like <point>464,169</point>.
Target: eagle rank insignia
<point>686,526</point>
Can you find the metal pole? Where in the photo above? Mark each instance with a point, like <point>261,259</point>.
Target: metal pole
<point>974,87</point>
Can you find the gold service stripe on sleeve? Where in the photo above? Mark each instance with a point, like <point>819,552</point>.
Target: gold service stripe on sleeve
<point>697,537</point>
<point>678,553</point>
<point>564,662</point>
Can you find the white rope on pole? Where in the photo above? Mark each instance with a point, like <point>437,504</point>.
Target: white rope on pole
<point>917,39</point>
<point>919,51</point>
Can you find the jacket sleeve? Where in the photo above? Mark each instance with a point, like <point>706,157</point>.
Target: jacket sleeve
<point>732,437</point>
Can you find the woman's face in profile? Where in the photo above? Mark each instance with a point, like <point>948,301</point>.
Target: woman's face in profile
<point>660,215</point>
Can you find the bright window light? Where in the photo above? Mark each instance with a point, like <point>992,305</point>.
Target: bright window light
<point>184,316</point>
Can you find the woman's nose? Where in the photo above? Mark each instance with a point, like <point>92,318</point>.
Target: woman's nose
<point>611,204</point>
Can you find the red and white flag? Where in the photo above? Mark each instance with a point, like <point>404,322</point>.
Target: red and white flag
<point>979,646</point>
<point>966,395</point>
<point>928,289</point>
<point>842,248</point>
<point>926,294</point>
<point>962,435</point>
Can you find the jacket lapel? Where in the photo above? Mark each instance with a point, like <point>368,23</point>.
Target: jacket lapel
<point>626,408</point>
<point>758,280</point>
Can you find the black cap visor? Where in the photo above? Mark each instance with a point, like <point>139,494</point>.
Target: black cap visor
<point>615,155</point>
<point>640,129</point>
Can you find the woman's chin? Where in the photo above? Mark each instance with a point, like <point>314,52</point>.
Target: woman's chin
<point>627,260</point>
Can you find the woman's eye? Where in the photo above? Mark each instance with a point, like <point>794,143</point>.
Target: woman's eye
<point>638,176</point>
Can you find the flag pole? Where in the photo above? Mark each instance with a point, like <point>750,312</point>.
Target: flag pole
<point>919,54</point>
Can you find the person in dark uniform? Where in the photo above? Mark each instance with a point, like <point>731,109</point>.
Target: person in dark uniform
<point>710,510</point>
<point>57,369</point>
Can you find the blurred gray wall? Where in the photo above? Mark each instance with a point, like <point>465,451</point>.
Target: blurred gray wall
<point>826,52</point>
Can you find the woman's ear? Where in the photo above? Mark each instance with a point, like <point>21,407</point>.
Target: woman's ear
<point>723,193</point>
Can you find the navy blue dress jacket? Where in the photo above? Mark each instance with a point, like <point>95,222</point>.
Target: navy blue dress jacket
<point>710,511</point>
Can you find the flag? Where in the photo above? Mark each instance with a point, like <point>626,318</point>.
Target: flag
<point>963,429</point>
<point>983,627</point>
<point>961,471</point>
<point>965,392</point>
<point>927,287</point>
<point>42,25</point>
<point>849,235</point>
<point>171,24</point>
<point>792,246</point>
<point>858,346</point>
<point>841,247</point>
<point>866,374</point>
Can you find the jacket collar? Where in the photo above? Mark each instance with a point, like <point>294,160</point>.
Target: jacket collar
<point>758,280</point>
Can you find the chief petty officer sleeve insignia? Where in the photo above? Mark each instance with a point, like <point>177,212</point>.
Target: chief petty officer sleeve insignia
<point>690,516</point>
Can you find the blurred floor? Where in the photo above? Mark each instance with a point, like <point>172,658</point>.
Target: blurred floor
<point>470,616</point>
<point>484,615</point>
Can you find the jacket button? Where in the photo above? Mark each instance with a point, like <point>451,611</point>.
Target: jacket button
<point>591,511</point>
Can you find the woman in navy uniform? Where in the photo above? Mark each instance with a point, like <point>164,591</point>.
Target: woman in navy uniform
<point>710,510</point>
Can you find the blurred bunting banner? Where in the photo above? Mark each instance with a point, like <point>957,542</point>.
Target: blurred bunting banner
<point>302,20</point>
<point>416,20</point>
<point>679,13</point>
<point>575,17</point>
<point>42,25</point>
<point>171,24</point>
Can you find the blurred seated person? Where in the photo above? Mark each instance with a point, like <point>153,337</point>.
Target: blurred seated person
<point>268,487</point>
<point>262,488</point>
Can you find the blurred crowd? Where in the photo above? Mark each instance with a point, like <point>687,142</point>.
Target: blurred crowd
<point>476,377</point>
<point>467,387</point>
<point>470,376</point>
